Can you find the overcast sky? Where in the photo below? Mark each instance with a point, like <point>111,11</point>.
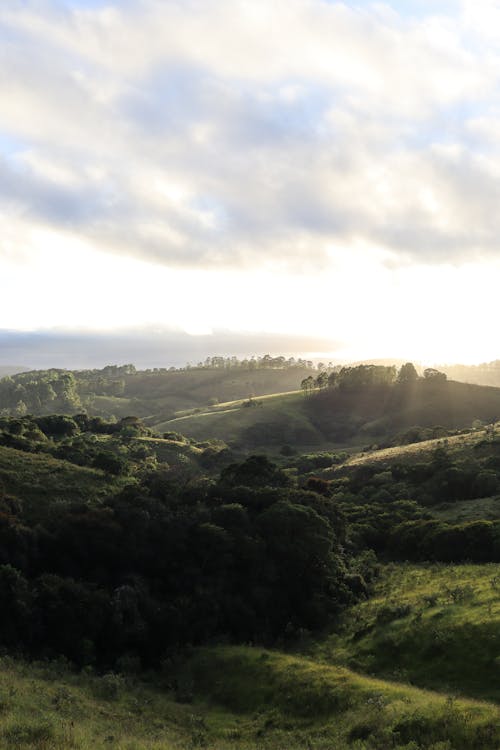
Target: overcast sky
<point>302,167</point>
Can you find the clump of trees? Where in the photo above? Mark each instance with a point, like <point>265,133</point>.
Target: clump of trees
<point>161,565</point>
<point>367,376</point>
<point>387,505</point>
<point>75,439</point>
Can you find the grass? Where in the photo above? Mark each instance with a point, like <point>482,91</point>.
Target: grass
<point>48,708</point>
<point>482,509</point>
<point>313,705</point>
<point>274,421</point>
<point>237,698</point>
<point>42,482</point>
<point>419,451</point>
<point>158,397</point>
<point>435,625</point>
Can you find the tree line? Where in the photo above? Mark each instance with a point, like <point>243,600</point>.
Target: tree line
<point>364,376</point>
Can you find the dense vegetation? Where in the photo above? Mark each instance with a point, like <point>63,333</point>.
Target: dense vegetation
<point>162,562</point>
<point>133,555</point>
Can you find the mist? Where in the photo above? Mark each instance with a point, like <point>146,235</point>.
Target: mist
<point>145,348</point>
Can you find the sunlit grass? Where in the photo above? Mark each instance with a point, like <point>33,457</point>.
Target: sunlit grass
<point>436,625</point>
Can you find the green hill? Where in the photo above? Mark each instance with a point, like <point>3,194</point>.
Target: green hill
<point>156,395</point>
<point>233,698</point>
<point>335,417</point>
<point>270,421</point>
<point>377,411</point>
<point>42,483</point>
<point>435,626</point>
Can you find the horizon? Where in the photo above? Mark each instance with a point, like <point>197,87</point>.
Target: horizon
<point>150,349</point>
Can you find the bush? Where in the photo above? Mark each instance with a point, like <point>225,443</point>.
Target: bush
<point>108,687</point>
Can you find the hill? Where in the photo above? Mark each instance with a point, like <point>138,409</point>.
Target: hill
<point>249,424</point>
<point>336,417</point>
<point>155,395</point>
<point>431,625</point>
<point>386,409</point>
<point>232,698</point>
<point>40,483</point>
<point>366,579</point>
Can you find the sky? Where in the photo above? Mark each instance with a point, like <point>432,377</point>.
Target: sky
<point>323,175</point>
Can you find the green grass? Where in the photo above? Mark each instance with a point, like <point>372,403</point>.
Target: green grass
<point>48,708</point>
<point>480,509</point>
<point>313,705</point>
<point>277,420</point>
<point>456,445</point>
<point>42,482</point>
<point>435,625</point>
<point>237,698</point>
<point>120,407</point>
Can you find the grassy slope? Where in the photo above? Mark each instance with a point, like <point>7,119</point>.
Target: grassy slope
<point>275,421</point>
<point>157,397</point>
<point>47,708</point>
<point>383,410</point>
<point>334,418</point>
<point>462,447</point>
<point>332,707</point>
<point>435,625</point>
<point>244,699</point>
<point>456,444</point>
<point>41,481</point>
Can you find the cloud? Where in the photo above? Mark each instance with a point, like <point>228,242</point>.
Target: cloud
<point>226,133</point>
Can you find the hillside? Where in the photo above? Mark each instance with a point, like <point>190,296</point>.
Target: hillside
<point>387,409</point>
<point>41,483</point>
<point>342,417</point>
<point>155,395</point>
<point>266,422</point>
<point>135,566</point>
<point>232,699</point>
<point>431,625</point>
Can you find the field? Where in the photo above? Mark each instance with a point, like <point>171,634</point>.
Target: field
<point>233,697</point>
<point>436,626</point>
<point>333,419</point>
<point>269,422</point>
<point>157,397</point>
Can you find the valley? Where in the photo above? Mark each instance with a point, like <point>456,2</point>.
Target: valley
<point>289,570</point>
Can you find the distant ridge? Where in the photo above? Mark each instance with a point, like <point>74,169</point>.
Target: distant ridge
<point>6,370</point>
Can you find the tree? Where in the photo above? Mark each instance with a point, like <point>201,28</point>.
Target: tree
<point>322,380</point>
<point>407,373</point>
<point>307,385</point>
<point>434,376</point>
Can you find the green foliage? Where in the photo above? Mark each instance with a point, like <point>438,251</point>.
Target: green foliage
<point>164,563</point>
<point>121,390</point>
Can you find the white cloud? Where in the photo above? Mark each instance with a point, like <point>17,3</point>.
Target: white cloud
<point>223,135</point>
<point>278,119</point>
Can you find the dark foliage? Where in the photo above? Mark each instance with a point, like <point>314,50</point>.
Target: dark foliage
<point>159,566</point>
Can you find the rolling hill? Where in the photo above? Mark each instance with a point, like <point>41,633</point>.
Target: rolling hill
<point>336,417</point>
